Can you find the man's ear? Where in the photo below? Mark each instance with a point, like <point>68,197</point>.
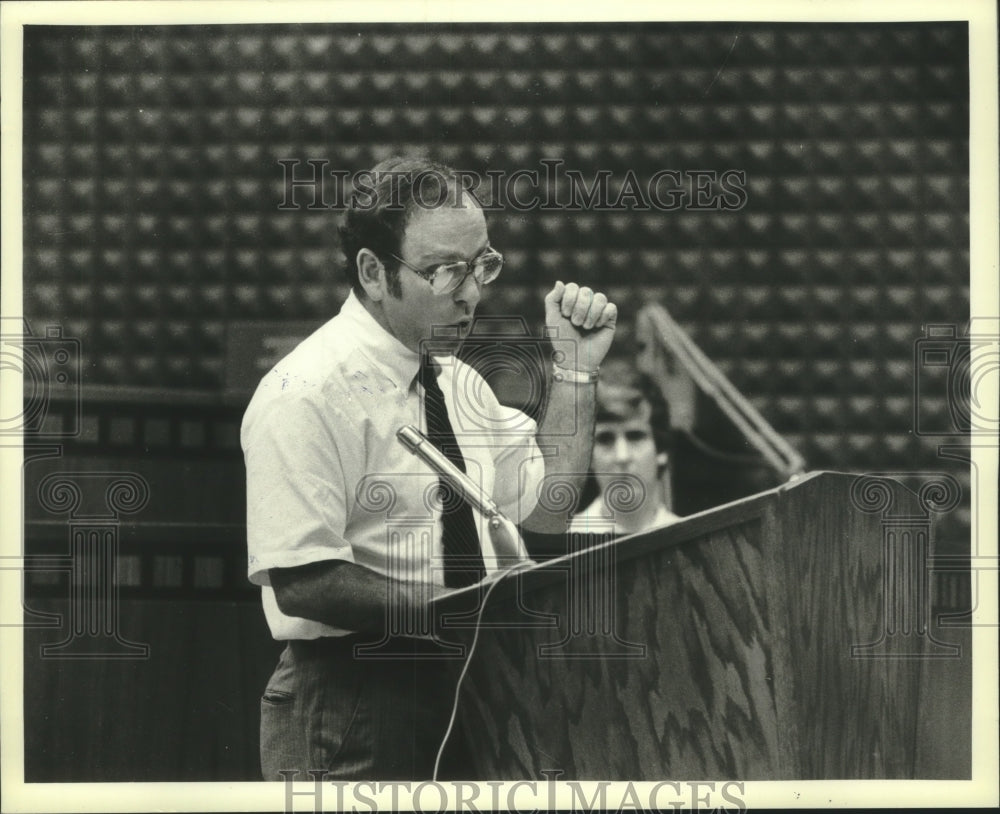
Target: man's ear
<point>662,458</point>
<point>371,274</point>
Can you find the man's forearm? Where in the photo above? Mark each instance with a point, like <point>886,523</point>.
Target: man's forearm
<point>566,431</point>
<point>566,437</point>
<point>346,595</point>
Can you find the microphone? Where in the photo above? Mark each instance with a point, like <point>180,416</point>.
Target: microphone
<point>506,541</point>
<point>418,443</point>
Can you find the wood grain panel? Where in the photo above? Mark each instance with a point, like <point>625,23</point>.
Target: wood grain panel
<point>829,568</point>
<point>698,701</point>
<point>728,651</point>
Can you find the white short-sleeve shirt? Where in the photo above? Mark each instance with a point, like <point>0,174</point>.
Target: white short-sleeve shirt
<point>328,480</point>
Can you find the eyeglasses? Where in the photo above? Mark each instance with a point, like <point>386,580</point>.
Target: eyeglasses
<point>448,277</point>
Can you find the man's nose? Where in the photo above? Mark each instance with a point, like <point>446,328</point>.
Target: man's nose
<point>622,450</point>
<point>470,291</point>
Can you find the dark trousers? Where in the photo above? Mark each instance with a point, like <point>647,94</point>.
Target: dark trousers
<point>360,717</point>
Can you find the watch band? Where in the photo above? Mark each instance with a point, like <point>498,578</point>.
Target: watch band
<point>564,374</point>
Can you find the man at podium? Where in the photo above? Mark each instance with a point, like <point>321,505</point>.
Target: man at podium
<point>330,489</point>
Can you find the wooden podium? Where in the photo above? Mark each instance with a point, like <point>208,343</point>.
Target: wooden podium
<point>782,636</point>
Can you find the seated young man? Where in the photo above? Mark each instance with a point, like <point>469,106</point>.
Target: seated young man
<point>631,455</point>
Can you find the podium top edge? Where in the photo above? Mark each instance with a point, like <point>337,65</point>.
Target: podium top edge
<point>685,529</point>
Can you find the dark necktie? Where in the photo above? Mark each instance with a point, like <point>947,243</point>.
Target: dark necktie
<point>463,559</point>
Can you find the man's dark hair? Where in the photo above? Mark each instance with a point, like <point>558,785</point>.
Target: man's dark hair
<point>383,200</point>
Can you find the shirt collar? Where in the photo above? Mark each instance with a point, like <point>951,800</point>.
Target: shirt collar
<point>386,352</point>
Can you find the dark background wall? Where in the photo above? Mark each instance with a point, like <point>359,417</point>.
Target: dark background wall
<point>153,231</point>
<point>152,191</point>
